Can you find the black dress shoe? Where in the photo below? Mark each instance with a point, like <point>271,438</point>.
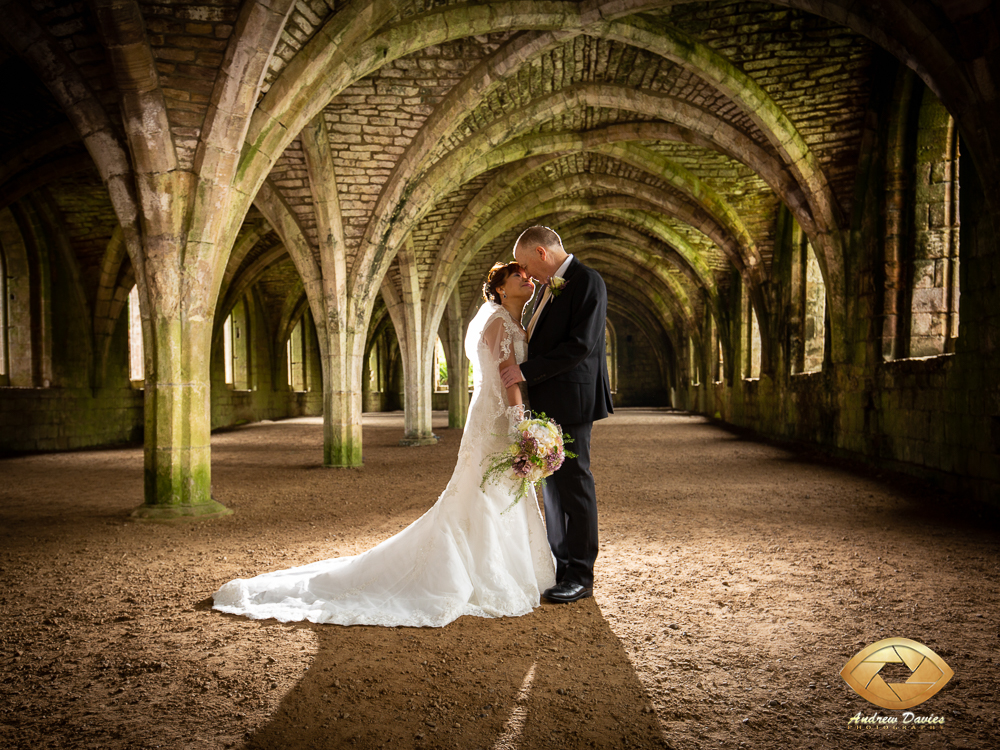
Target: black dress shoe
<point>567,591</point>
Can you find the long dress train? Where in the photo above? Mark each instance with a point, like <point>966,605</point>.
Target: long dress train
<point>464,556</point>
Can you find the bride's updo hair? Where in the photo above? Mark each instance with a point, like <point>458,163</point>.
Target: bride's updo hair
<point>496,278</point>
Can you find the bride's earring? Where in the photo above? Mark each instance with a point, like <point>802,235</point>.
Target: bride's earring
<point>505,295</point>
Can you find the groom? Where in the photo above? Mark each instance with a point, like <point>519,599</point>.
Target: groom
<point>567,376</point>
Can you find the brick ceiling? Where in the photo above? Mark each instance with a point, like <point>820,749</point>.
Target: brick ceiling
<point>657,141</point>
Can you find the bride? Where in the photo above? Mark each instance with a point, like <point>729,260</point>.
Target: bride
<point>464,556</point>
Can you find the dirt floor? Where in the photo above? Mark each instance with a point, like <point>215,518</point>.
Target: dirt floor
<point>735,581</point>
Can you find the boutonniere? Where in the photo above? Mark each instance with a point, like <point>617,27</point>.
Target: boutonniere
<point>556,284</point>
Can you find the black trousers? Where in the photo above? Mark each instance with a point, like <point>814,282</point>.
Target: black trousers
<point>571,511</point>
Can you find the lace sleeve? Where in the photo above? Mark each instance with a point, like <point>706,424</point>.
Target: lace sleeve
<point>498,338</point>
<point>489,342</point>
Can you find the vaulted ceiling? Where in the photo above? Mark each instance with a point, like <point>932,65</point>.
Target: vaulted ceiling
<point>659,138</point>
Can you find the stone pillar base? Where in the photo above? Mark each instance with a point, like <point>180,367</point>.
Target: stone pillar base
<point>412,442</point>
<point>167,513</point>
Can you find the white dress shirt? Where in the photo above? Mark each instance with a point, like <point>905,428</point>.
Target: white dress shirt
<point>548,293</point>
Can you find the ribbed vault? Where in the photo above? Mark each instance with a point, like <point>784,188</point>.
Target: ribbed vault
<point>352,157</point>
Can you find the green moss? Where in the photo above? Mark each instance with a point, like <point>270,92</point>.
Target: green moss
<point>338,453</point>
<point>175,492</point>
<point>166,513</point>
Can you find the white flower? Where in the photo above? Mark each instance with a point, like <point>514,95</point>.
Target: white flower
<point>556,284</point>
<point>545,437</point>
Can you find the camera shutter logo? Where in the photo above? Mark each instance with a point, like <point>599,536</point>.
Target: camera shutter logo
<point>928,673</point>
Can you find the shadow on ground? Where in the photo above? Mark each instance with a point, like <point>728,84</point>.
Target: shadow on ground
<point>556,678</point>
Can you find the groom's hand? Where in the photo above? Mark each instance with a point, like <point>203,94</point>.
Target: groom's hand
<point>511,375</point>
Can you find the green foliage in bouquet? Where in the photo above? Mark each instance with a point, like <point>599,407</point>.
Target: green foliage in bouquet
<point>537,450</point>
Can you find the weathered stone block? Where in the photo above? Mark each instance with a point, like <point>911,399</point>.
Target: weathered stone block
<point>939,215</point>
<point>941,172</point>
<point>928,300</point>
<point>175,55</point>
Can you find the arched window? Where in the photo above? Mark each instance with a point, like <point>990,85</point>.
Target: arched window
<point>751,339</point>
<point>25,310</point>
<point>227,347</point>
<point>611,353</point>
<point>808,322</point>
<point>136,359</point>
<point>920,315</point>
<point>302,358</point>
<point>296,352</point>
<point>374,372</point>
<point>693,363</point>
<point>717,363</point>
<point>934,280</point>
<point>236,347</point>
<point>440,367</point>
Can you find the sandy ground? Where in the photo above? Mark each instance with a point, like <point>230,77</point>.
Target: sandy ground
<point>735,580</point>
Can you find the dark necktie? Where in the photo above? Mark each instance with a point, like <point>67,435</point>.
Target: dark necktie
<point>539,293</point>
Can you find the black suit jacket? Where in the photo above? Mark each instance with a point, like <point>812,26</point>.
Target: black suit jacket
<point>567,370</point>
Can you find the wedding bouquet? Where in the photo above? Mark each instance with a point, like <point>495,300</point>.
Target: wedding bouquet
<point>537,450</point>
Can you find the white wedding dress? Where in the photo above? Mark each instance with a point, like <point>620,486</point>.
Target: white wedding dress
<point>464,556</point>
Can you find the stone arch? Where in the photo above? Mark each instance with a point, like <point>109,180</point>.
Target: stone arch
<point>900,27</point>
<point>29,260</point>
<point>73,93</point>
<point>456,238</point>
<point>932,41</point>
<point>378,340</point>
<point>665,355</point>
<point>295,305</point>
<point>630,209</point>
<point>282,218</point>
<point>479,153</point>
<point>673,45</point>
<point>598,228</point>
<point>652,199</point>
<point>47,228</point>
<point>629,264</point>
<point>752,99</point>
<point>624,283</point>
<point>245,243</point>
<point>630,303</point>
<point>345,50</point>
<point>708,212</point>
<point>638,257</point>
<point>301,324</point>
<point>243,283</point>
<point>385,52</point>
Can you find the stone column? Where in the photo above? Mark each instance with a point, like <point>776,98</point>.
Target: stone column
<point>178,465</point>
<point>418,385</point>
<point>417,354</point>
<point>342,344</point>
<point>458,365</point>
<point>342,402</point>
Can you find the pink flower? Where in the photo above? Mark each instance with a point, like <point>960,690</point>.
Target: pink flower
<point>521,466</point>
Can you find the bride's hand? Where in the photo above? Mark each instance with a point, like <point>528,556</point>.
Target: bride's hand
<point>515,414</point>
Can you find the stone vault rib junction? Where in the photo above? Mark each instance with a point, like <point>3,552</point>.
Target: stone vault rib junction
<point>220,213</point>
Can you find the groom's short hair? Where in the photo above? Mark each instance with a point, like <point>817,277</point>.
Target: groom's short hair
<point>534,236</point>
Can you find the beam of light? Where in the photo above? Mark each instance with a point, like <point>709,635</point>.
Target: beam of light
<point>514,727</point>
